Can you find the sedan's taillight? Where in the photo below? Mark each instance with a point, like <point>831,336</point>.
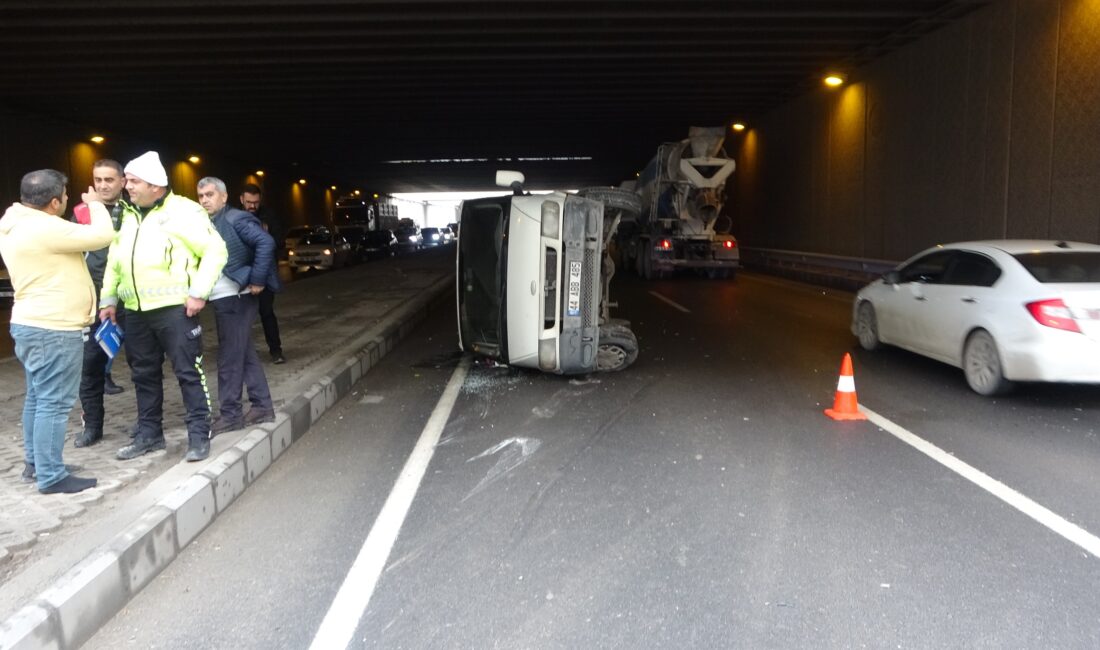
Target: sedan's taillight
<point>1053,313</point>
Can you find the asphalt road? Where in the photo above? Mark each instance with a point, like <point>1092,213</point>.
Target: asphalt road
<point>699,499</point>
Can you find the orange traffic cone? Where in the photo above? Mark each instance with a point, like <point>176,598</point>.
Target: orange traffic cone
<point>846,406</point>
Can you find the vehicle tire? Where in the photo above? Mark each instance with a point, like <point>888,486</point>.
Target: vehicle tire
<point>645,263</point>
<point>616,199</point>
<point>618,348</point>
<point>867,327</point>
<point>982,365</point>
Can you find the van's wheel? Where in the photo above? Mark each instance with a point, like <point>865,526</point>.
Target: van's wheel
<point>615,198</point>
<point>982,365</point>
<point>618,348</point>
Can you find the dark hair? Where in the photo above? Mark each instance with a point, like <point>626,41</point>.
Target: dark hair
<point>40,187</point>
<point>107,162</point>
<point>251,188</point>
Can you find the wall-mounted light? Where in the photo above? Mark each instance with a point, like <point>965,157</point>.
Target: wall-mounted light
<point>833,80</point>
<point>194,159</point>
<point>737,126</point>
<point>332,187</point>
<point>98,139</point>
<point>301,181</point>
<point>260,173</point>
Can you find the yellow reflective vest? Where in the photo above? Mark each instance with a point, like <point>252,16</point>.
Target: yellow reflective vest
<point>160,259</point>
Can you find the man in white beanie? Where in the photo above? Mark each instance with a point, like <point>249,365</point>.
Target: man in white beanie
<point>162,266</point>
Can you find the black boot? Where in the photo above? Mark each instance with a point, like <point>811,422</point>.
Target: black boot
<point>110,387</point>
<point>88,437</point>
<point>69,485</point>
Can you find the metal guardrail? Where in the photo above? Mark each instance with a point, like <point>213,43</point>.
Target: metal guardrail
<point>849,273</point>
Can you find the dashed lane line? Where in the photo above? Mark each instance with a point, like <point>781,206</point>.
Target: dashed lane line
<point>355,593</point>
<point>1044,516</point>
<point>670,301</point>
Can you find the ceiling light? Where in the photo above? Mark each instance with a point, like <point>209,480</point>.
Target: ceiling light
<point>737,126</point>
<point>834,80</point>
<point>301,181</point>
<point>98,139</point>
<point>332,187</point>
<point>194,159</point>
<point>260,173</point>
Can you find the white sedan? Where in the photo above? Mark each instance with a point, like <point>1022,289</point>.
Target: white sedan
<point>1002,310</point>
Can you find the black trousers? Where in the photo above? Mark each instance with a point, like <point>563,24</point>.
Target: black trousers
<point>238,364</point>
<point>270,323</point>
<point>92,375</point>
<point>150,337</point>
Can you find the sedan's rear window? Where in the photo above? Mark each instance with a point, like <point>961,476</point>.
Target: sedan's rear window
<point>1055,267</point>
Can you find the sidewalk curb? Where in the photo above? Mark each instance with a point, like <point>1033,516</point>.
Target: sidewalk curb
<point>86,597</point>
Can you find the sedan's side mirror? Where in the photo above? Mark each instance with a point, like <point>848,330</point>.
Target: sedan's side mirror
<point>891,277</point>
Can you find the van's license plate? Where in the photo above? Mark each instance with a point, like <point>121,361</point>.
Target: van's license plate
<point>573,307</point>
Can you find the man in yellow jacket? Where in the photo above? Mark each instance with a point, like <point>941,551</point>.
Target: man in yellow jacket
<point>162,266</point>
<point>54,301</point>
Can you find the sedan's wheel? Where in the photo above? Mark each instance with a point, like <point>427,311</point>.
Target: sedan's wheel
<point>982,365</point>
<point>867,327</point>
<point>617,350</point>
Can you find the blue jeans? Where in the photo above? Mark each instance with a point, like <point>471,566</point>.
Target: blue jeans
<point>51,361</point>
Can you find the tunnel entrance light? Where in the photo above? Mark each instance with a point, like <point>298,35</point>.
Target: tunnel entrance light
<point>194,159</point>
<point>834,80</point>
<point>301,181</point>
<point>737,126</point>
<point>98,139</point>
<point>260,173</point>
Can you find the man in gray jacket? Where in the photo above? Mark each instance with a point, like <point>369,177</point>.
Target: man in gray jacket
<point>249,270</point>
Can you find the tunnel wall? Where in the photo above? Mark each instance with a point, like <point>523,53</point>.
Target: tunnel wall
<point>986,128</point>
<point>29,142</point>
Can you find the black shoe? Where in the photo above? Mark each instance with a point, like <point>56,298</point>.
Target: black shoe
<point>29,474</point>
<point>139,447</point>
<point>277,358</point>
<point>197,450</point>
<point>69,485</point>
<point>258,416</point>
<point>87,438</point>
<point>222,425</point>
<point>110,387</point>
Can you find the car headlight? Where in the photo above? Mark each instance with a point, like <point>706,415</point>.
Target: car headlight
<point>290,253</point>
<point>327,252</point>
<point>412,238</point>
<point>435,237</point>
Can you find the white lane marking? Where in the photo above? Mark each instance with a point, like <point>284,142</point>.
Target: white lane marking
<point>671,302</point>
<point>355,593</point>
<point>1044,516</point>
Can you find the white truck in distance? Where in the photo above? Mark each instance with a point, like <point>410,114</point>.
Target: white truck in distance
<point>532,281</point>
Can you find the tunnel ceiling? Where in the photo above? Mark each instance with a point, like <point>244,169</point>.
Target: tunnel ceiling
<point>338,88</point>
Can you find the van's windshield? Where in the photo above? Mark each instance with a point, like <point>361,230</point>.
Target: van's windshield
<point>482,253</point>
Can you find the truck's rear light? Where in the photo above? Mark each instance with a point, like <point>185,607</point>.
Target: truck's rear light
<point>1053,313</point>
<point>729,243</point>
<point>666,244</point>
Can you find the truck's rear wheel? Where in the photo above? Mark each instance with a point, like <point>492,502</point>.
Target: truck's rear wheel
<point>618,348</point>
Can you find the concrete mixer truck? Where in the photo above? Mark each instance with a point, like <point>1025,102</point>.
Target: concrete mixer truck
<point>681,225</point>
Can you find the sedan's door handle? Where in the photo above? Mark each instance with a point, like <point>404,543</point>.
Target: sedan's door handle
<point>921,298</point>
<point>970,300</point>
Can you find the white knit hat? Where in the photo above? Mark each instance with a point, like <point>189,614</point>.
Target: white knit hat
<point>147,167</point>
